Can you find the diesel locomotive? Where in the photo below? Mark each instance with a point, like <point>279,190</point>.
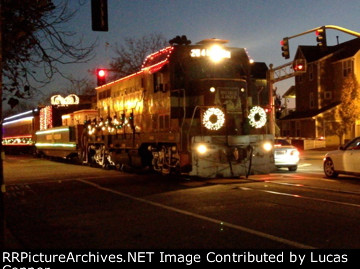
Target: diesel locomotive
<point>186,111</point>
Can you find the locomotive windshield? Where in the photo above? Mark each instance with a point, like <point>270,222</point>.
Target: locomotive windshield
<point>203,69</point>
<point>214,82</point>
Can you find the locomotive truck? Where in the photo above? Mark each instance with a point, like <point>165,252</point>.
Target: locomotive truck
<point>185,111</point>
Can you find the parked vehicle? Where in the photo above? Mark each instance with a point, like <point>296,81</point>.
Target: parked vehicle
<point>345,160</point>
<point>286,155</point>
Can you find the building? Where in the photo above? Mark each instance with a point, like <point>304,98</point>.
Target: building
<point>318,91</point>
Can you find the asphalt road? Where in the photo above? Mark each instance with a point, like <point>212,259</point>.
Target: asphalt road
<point>54,205</point>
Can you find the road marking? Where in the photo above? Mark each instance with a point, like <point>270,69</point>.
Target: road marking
<point>301,196</point>
<point>202,217</point>
<point>304,164</point>
<point>314,187</point>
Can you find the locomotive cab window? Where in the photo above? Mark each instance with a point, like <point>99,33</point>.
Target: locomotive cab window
<point>158,82</point>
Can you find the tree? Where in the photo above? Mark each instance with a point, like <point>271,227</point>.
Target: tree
<point>349,109</point>
<point>35,45</point>
<point>132,53</point>
<point>82,86</point>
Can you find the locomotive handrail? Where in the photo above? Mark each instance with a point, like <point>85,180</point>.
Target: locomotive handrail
<point>184,115</point>
<point>191,122</point>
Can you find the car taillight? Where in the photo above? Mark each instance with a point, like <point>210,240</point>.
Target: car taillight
<point>295,153</point>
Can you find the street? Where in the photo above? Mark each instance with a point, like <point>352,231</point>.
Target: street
<point>52,205</point>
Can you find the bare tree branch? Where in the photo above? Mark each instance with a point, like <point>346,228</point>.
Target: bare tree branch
<point>131,54</point>
<point>36,44</point>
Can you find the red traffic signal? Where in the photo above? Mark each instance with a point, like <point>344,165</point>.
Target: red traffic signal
<point>299,67</point>
<point>101,76</point>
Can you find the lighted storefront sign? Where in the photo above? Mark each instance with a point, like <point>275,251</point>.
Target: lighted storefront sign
<point>71,99</point>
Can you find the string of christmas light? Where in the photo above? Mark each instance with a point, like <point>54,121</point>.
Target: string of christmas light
<point>153,62</point>
<point>157,57</point>
<point>110,125</point>
<point>18,141</point>
<point>46,118</point>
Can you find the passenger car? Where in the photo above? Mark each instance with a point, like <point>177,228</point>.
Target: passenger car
<point>345,160</point>
<point>286,155</point>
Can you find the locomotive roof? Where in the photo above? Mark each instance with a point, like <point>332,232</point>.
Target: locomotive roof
<point>157,60</point>
<point>212,40</point>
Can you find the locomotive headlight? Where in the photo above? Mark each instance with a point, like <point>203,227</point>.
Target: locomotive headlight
<point>201,149</point>
<point>267,146</point>
<point>215,53</point>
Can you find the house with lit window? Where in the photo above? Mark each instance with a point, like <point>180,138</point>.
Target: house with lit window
<point>318,91</point>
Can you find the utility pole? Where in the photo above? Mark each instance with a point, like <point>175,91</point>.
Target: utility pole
<point>270,80</point>
<point>2,183</point>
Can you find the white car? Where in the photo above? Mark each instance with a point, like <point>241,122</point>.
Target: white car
<point>345,160</point>
<point>286,155</point>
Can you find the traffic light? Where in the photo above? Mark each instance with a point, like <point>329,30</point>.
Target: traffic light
<point>285,48</point>
<point>299,65</point>
<point>101,76</point>
<point>99,15</point>
<point>321,37</point>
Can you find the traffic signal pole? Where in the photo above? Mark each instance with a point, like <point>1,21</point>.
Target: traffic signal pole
<point>334,27</point>
<point>276,74</point>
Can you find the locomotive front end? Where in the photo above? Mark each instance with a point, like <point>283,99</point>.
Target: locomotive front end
<point>213,157</point>
<point>220,139</point>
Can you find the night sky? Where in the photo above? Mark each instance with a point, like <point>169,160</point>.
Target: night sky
<point>257,25</point>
